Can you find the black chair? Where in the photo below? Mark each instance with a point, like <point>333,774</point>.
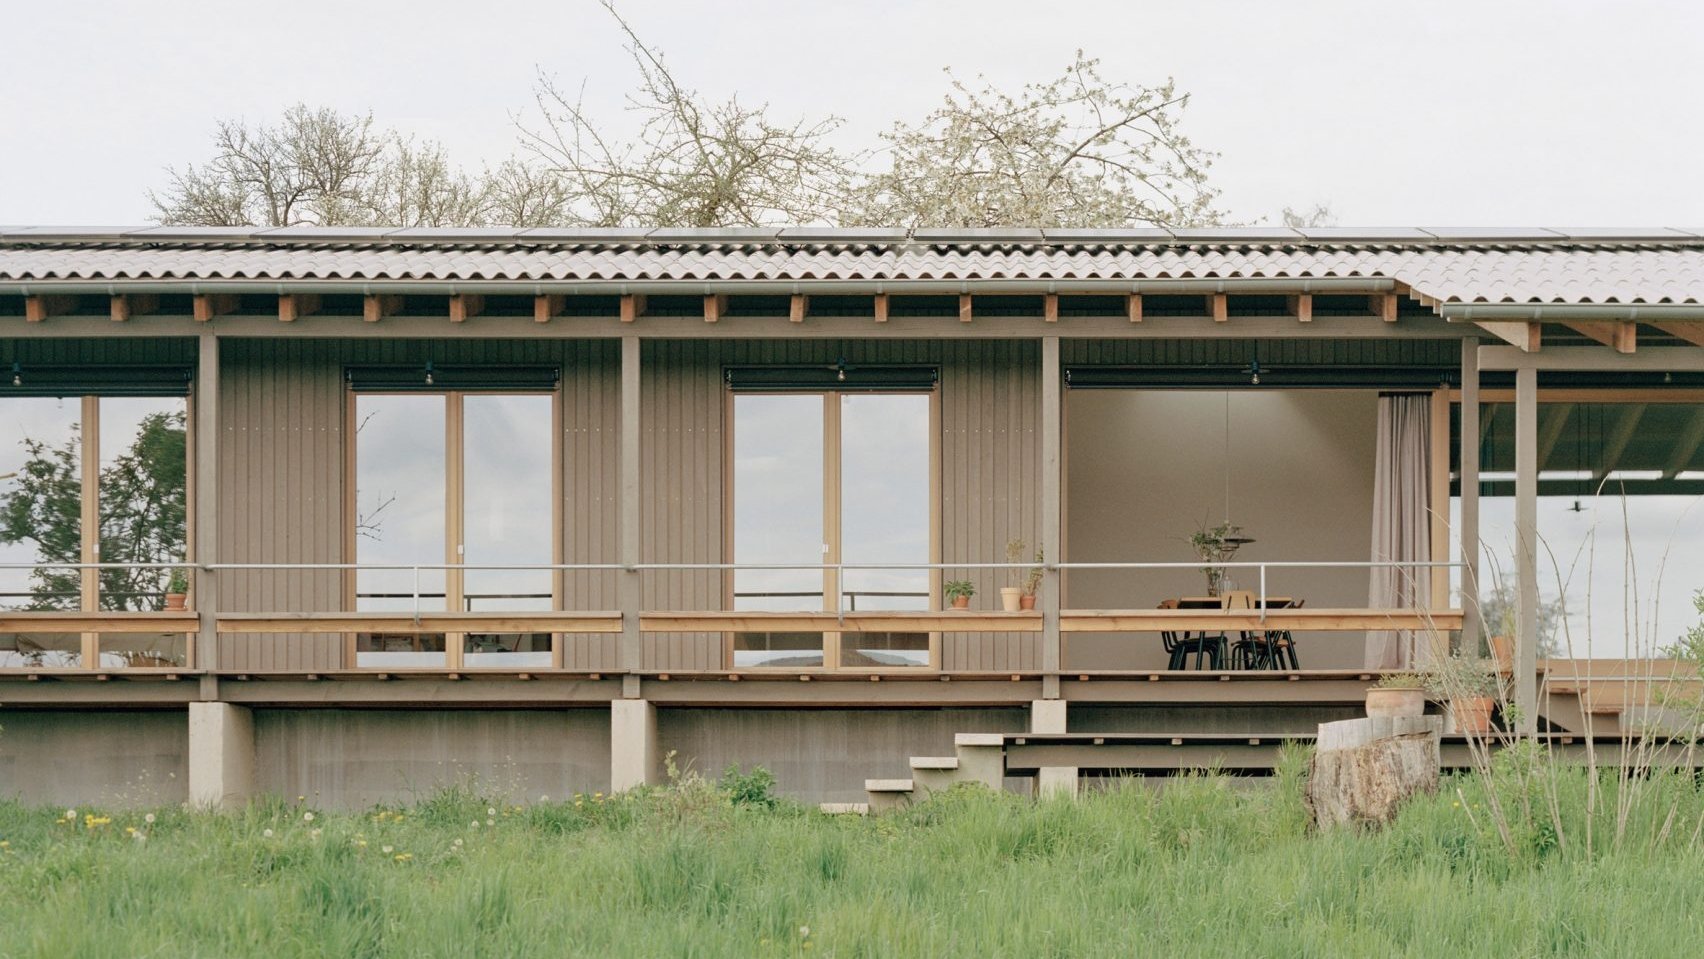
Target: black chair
<point>1209,649</point>
<point>1268,649</point>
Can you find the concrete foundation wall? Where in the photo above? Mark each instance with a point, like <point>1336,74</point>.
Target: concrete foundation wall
<point>351,759</point>
<point>1293,718</point>
<point>109,759</point>
<point>823,755</point>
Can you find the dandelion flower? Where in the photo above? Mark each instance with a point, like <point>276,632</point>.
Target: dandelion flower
<point>491,810</point>
<point>458,843</point>
<point>307,817</point>
<point>544,798</point>
<point>149,819</point>
<point>314,833</point>
<point>266,833</point>
<point>70,814</point>
<point>804,931</point>
<point>491,822</point>
<point>473,825</point>
<point>386,849</point>
<point>403,856</point>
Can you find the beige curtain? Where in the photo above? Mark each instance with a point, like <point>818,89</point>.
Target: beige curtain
<point>1401,521</point>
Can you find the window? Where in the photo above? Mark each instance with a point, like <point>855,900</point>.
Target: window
<point>1620,520</point>
<point>443,480</point>
<point>826,478</point>
<point>134,449</point>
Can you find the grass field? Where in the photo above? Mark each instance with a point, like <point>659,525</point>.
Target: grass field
<point>1201,868</point>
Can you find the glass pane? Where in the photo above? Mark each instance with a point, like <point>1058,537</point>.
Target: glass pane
<point>884,512</point>
<point>40,649</point>
<point>508,519</point>
<point>778,649</point>
<point>142,501</point>
<point>778,497</point>
<point>144,650</point>
<point>41,502</point>
<point>399,519</point>
<point>876,650</point>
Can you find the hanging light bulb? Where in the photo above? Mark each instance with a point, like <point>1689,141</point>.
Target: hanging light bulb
<point>1254,371</point>
<point>17,375</point>
<point>429,379</point>
<point>841,376</point>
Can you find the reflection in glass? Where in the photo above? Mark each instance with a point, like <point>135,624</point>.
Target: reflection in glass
<point>143,465</point>
<point>778,500</point>
<point>41,493</point>
<point>63,650</point>
<point>884,518</point>
<point>777,649</point>
<point>399,519</point>
<point>144,650</point>
<point>508,519</point>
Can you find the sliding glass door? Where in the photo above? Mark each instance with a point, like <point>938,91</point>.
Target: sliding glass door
<point>826,478</point>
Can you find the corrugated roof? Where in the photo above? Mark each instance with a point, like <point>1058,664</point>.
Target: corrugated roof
<point>1584,266</point>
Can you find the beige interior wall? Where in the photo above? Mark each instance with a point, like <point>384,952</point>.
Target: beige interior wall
<point>1145,468</point>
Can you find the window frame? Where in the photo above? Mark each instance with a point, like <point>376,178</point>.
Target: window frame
<point>833,500</point>
<point>455,512</point>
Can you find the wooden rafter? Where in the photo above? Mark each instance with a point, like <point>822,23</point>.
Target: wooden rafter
<point>1133,307</point>
<point>1050,308</point>
<point>206,306</point>
<point>1524,336</point>
<point>965,308</point>
<point>377,306</point>
<point>1383,306</point>
<point>1553,421</point>
<point>1690,332</point>
<point>1622,336</point>
<point>464,305</point>
<point>881,307</point>
<point>126,305</point>
<point>1686,445</point>
<point>293,306</point>
<point>1220,308</point>
<point>1301,307</point>
<point>632,307</point>
<point>1620,434</point>
<point>798,307</point>
<point>548,306</point>
<point>715,304</point>
<point>38,307</point>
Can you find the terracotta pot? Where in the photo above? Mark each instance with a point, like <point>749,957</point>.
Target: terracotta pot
<point>1472,714</point>
<point>961,602</point>
<point>1384,702</point>
<point>1026,601</point>
<point>175,601</point>
<point>1010,596</point>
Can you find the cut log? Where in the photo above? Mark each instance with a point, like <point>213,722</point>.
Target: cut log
<point>1364,770</point>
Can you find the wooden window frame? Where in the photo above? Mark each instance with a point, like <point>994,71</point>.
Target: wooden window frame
<point>455,519</point>
<point>833,501</point>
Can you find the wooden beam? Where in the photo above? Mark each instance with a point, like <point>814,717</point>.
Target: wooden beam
<point>1050,308</point>
<point>1523,336</point>
<point>38,308</point>
<point>1221,311</point>
<point>1383,306</point>
<point>1622,336</point>
<point>1686,445</point>
<point>1301,307</point>
<point>1620,434</point>
<point>632,307</point>
<point>464,305</point>
<point>881,307</point>
<point>377,306</point>
<point>209,305</point>
<point>965,310</point>
<point>798,307</point>
<point>1133,307</point>
<point>715,304</point>
<point>320,623</point>
<point>292,306</point>
<point>1552,420</point>
<point>1690,332</point>
<point>126,305</point>
<point>1321,620</point>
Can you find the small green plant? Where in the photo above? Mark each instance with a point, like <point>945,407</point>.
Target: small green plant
<point>1460,677</point>
<point>179,581</point>
<point>1032,581</point>
<point>1400,681</point>
<point>1015,555</point>
<point>1215,544</point>
<point>756,788</point>
<point>955,588</point>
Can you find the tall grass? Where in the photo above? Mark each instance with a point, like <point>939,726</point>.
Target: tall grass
<point>1201,867</point>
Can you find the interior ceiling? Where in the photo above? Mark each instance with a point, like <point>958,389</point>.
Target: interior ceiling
<point>1639,448</point>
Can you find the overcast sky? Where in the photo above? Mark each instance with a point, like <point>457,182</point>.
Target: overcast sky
<point>1459,114</point>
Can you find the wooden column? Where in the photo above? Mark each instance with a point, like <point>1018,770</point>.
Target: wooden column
<point>1468,530</point>
<point>1052,651</point>
<point>204,585</point>
<point>1526,548</point>
<point>629,593</point>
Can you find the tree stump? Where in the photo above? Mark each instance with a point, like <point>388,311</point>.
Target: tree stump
<point>1363,770</point>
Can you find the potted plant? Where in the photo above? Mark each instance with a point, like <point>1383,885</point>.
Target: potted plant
<point>177,589</point>
<point>1216,544</point>
<point>1467,685</point>
<point>1396,695</point>
<point>1011,595</point>
<point>1032,582</point>
<point>958,592</point>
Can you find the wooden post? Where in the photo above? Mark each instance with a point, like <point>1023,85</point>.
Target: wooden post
<point>204,583</point>
<point>1526,547</point>
<point>632,650</point>
<point>1052,651</point>
<point>1469,531</point>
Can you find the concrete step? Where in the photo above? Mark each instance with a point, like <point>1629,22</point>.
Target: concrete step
<point>981,758</point>
<point>934,773</point>
<point>845,808</point>
<point>888,794</point>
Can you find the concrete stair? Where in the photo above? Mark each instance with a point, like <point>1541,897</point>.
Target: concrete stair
<point>845,808</point>
<point>977,758</point>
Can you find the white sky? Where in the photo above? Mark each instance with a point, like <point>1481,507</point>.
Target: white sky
<point>1450,114</point>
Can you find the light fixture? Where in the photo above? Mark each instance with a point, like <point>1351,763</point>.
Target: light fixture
<point>1254,373</point>
<point>429,379</point>
<point>1637,475</point>
<point>1689,476</point>
<point>17,375</point>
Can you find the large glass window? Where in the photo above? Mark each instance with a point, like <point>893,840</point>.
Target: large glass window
<point>134,513</point>
<point>1620,522</point>
<point>832,478</point>
<point>444,479</point>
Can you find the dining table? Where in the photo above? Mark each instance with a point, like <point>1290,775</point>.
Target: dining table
<point>1213,649</point>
